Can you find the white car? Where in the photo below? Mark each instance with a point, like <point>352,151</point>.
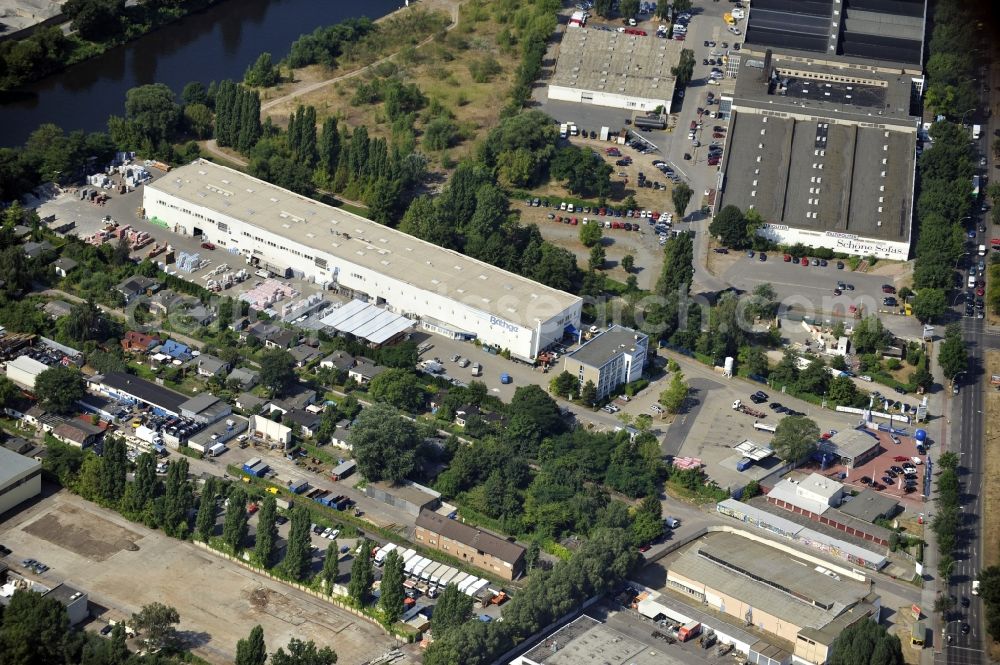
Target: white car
<point>735,30</point>
<point>326,532</point>
<point>333,534</point>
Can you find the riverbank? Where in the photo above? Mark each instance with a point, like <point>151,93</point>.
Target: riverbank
<point>140,20</point>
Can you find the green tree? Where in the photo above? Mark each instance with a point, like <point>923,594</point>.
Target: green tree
<point>392,592</point>
<point>584,175</point>
<point>95,20</point>
<point>751,490</point>
<point>329,146</point>
<point>114,466</point>
<point>730,227</point>
<point>597,257</point>
<point>603,8</point>
<point>929,304</point>
<point>296,562</point>
<point>262,73</point>
<point>684,69</point>
<point>681,197</point>
<point>178,499</point>
<point>672,399</point>
<point>331,567</point>
<point>795,438</point>
<point>400,388</point>
<point>384,443</point>
<point>452,609</point>
<point>753,360</point>
<point>843,391</point>
<point>953,356</point>
<point>564,384</point>
<point>33,630</point>
<point>59,388</point>
<point>628,8</point>
<point>870,335</point>
<point>303,653</point>
<point>151,113</point>
<point>204,523</point>
<point>362,575</point>
<point>157,623</point>
<point>277,371</point>
<point>866,642</point>
<point>591,234</point>
<point>628,263</point>
<point>137,502</point>
<point>265,541</point>
<point>234,527</point>
<point>588,394</point>
<point>252,650</point>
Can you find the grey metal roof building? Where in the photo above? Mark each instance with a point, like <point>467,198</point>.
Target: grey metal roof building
<point>826,155</point>
<point>133,388</point>
<point>20,479</point>
<point>882,33</point>
<point>870,505</point>
<point>610,68</point>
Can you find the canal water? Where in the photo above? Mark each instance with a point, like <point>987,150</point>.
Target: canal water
<point>216,44</point>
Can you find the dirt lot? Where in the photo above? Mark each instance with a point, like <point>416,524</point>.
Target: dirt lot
<point>991,488</point>
<point>218,602</point>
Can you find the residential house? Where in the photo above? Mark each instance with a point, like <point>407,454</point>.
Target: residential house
<point>239,324</point>
<point>176,350</point>
<point>484,550</point>
<point>34,250</point>
<point>162,301</point>
<point>210,366</point>
<point>245,378</point>
<point>365,370</point>
<point>16,444</point>
<point>282,340</point>
<point>78,433</point>
<point>339,360</point>
<point>64,266</point>
<point>260,330</point>
<point>304,354</point>
<point>299,399</point>
<point>56,309</point>
<point>247,402</point>
<point>466,411</point>
<point>137,285</point>
<point>21,231</point>
<point>137,342</point>
<point>308,422</point>
<point>192,309</point>
<point>342,435</point>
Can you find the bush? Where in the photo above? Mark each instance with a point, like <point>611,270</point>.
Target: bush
<point>636,387</point>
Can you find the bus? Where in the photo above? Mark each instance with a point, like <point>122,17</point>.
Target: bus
<point>975,187</point>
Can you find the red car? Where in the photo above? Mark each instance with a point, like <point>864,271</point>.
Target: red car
<point>574,222</point>
<point>900,458</point>
<point>980,292</point>
<point>718,135</point>
<point>559,219</point>
<point>888,288</point>
<point>787,258</point>
<point>644,548</point>
<point>713,162</point>
<point>804,261</point>
<point>207,245</point>
<point>602,212</point>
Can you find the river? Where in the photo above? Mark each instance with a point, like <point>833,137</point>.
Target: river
<point>213,45</point>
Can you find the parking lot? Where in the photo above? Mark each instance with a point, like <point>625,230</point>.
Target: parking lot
<point>710,427</point>
<point>99,552</point>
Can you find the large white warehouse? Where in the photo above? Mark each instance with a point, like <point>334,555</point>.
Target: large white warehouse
<point>616,69</point>
<point>451,294</point>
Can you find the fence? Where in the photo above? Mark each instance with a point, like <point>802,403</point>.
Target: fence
<point>334,600</point>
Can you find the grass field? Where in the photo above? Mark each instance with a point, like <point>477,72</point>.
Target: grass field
<point>441,69</point>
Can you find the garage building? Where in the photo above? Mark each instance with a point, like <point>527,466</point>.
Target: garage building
<point>616,69</point>
<point>23,371</point>
<point>20,479</point>
<point>450,293</point>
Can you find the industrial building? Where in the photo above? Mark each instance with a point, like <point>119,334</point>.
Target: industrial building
<point>20,479</point>
<point>23,371</point>
<point>852,447</point>
<point>408,497</point>
<point>801,599</point>
<point>204,408</point>
<point>484,550</point>
<point>609,359</point>
<point>587,641</point>
<point>285,233</point>
<point>824,120</point>
<point>616,69</point>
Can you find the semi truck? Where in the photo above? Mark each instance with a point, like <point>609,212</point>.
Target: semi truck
<point>689,631</point>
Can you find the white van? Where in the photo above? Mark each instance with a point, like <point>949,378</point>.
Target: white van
<point>671,522</point>
<point>972,282</point>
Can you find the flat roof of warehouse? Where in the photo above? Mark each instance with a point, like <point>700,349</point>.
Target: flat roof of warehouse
<point>864,32</point>
<point>147,391</point>
<point>365,243</point>
<point>617,63</point>
<point>818,175</point>
<point>772,580</point>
